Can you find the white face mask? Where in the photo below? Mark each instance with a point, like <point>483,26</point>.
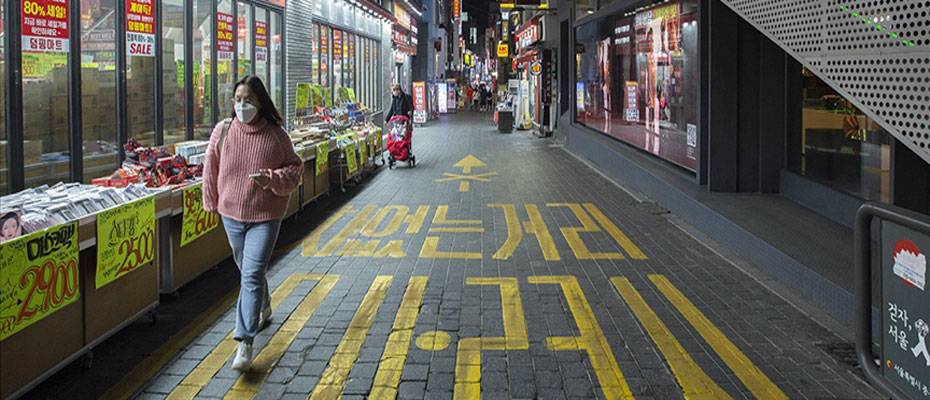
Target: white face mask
<point>245,112</point>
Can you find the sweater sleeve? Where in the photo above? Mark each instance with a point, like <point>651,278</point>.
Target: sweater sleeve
<point>285,178</point>
<point>211,171</point>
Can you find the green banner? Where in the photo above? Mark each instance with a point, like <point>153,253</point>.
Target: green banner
<point>316,96</point>
<point>38,277</point>
<point>322,157</point>
<point>303,96</point>
<point>351,94</point>
<point>351,158</point>
<point>125,239</point>
<point>195,221</point>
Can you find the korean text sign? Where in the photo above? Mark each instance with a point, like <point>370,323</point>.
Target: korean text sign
<point>224,36</point>
<point>140,28</point>
<point>195,221</point>
<point>419,102</point>
<point>38,276</point>
<point>906,310</point>
<point>261,41</point>
<point>45,26</point>
<point>125,239</point>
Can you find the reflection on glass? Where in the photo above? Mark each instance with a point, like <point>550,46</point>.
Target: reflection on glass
<point>324,56</point>
<point>173,70</point>
<point>244,33</point>
<point>203,76</point>
<point>4,167</point>
<point>840,146</point>
<point>584,7</point>
<point>261,44</point>
<point>337,58</point>
<point>637,79</point>
<point>315,54</point>
<point>140,95</point>
<point>98,87</point>
<point>225,50</point>
<point>277,62</point>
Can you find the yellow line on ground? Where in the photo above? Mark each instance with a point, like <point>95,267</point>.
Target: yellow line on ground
<point>341,363</point>
<point>209,366</point>
<point>592,338</point>
<point>457,229</point>
<point>430,249</point>
<point>573,234</point>
<point>695,384</point>
<point>615,232</point>
<point>747,372</point>
<point>247,386</point>
<point>311,243</point>
<point>464,186</point>
<point>148,367</point>
<point>354,227</point>
<point>441,218</point>
<point>400,214</point>
<point>468,352</point>
<point>537,226</point>
<point>415,221</point>
<point>387,379</point>
<point>514,233</point>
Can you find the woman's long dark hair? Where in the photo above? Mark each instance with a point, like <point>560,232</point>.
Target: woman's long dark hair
<point>267,109</point>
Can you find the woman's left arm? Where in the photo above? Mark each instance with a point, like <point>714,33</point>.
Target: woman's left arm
<point>286,178</point>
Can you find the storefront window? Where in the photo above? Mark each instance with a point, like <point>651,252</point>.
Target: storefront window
<point>244,33</point>
<point>637,75</point>
<point>4,164</point>
<point>261,44</point>
<point>324,55</point>
<point>277,62</point>
<point>337,58</point>
<point>203,71</point>
<point>315,55</point>
<point>840,146</point>
<point>140,73</point>
<point>583,8</point>
<point>225,49</point>
<point>98,87</point>
<point>173,64</point>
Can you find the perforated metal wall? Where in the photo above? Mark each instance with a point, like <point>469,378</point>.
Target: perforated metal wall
<point>874,52</point>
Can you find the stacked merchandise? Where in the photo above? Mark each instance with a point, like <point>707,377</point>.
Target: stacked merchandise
<point>152,166</point>
<point>193,151</point>
<point>306,138</point>
<point>44,206</point>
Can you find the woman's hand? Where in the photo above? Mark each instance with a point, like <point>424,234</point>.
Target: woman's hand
<point>262,178</point>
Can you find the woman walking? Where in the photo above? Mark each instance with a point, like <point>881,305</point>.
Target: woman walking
<point>250,171</point>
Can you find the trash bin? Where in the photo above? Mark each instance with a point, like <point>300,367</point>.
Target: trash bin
<point>505,121</point>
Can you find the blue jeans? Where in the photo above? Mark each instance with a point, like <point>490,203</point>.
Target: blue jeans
<point>252,245</point>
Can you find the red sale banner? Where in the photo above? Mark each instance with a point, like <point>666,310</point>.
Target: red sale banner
<point>261,41</point>
<point>224,36</point>
<point>45,26</point>
<point>140,28</point>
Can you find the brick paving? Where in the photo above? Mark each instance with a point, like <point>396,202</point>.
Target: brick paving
<point>531,174</point>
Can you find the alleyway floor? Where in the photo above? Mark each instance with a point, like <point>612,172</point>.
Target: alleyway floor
<point>499,267</point>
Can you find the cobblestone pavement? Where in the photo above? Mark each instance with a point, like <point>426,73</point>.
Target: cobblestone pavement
<point>502,267</point>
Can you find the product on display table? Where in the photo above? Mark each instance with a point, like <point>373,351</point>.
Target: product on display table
<point>152,166</point>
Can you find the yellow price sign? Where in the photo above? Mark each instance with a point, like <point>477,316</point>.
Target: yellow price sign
<point>125,239</point>
<point>38,277</point>
<point>195,221</point>
<point>351,158</point>
<point>322,157</point>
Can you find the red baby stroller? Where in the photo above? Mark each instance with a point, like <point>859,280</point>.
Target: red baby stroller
<point>400,140</point>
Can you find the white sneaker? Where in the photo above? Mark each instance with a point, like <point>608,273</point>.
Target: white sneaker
<point>243,360</point>
<point>264,317</point>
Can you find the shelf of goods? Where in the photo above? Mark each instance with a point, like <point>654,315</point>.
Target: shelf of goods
<point>57,336</point>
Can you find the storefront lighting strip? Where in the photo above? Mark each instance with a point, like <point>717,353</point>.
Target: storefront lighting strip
<point>876,25</point>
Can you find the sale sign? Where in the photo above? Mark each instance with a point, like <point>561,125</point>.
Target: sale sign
<point>38,276</point>
<point>195,221</point>
<point>224,36</point>
<point>45,26</point>
<point>419,102</point>
<point>322,157</point>
<point>351,158</point>
<point>125,239</point>
<point>261,41</point>
<point>140,28</point>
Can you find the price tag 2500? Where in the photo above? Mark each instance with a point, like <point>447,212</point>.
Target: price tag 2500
<point>136,251</point>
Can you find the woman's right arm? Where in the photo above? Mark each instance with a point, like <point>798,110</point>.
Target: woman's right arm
<point>211,171</point>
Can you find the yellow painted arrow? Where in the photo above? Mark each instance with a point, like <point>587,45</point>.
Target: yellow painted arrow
<point>469,162</point>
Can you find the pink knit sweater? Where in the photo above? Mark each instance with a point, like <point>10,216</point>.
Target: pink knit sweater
<point>248,149</point>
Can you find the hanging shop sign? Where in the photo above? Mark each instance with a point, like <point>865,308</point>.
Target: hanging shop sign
<point>351,157</point>
<point>456,9</point>
<point>140,28</point>
<point>45,26</point>
<point>125,239</point>
<point>38,277</point>
<point>224,36</point>
<point>403,17</point>
<point>530,34</point>
<point>419,102</point>
<point>536,68</point>
<point>195,221</point>
<point>261,41</point>
<point>322,157</point>
<point>906,309</point>
<point>503,50</point>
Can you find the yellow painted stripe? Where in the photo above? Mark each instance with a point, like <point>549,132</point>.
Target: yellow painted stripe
<point>354,227</point>
<point>468,352</point>
<point>537,226</point>
<point>464,186</point>
<point>311,243</point>
<point>573,234</point>
<point>514,234</point>
<point>400,214</point>
<point>441,218</point>
<point>194,382</point>
<point>248,384</point>
<point>461,229</point>
<point>430,249</point>
<point>147,368</point>
<point>592,338</point>
<point>747,372</point>
<point>341,363</point>
<point>415,221</point>
<point>621,238</point>
<point>387,379</point>
<point>695,384</point>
